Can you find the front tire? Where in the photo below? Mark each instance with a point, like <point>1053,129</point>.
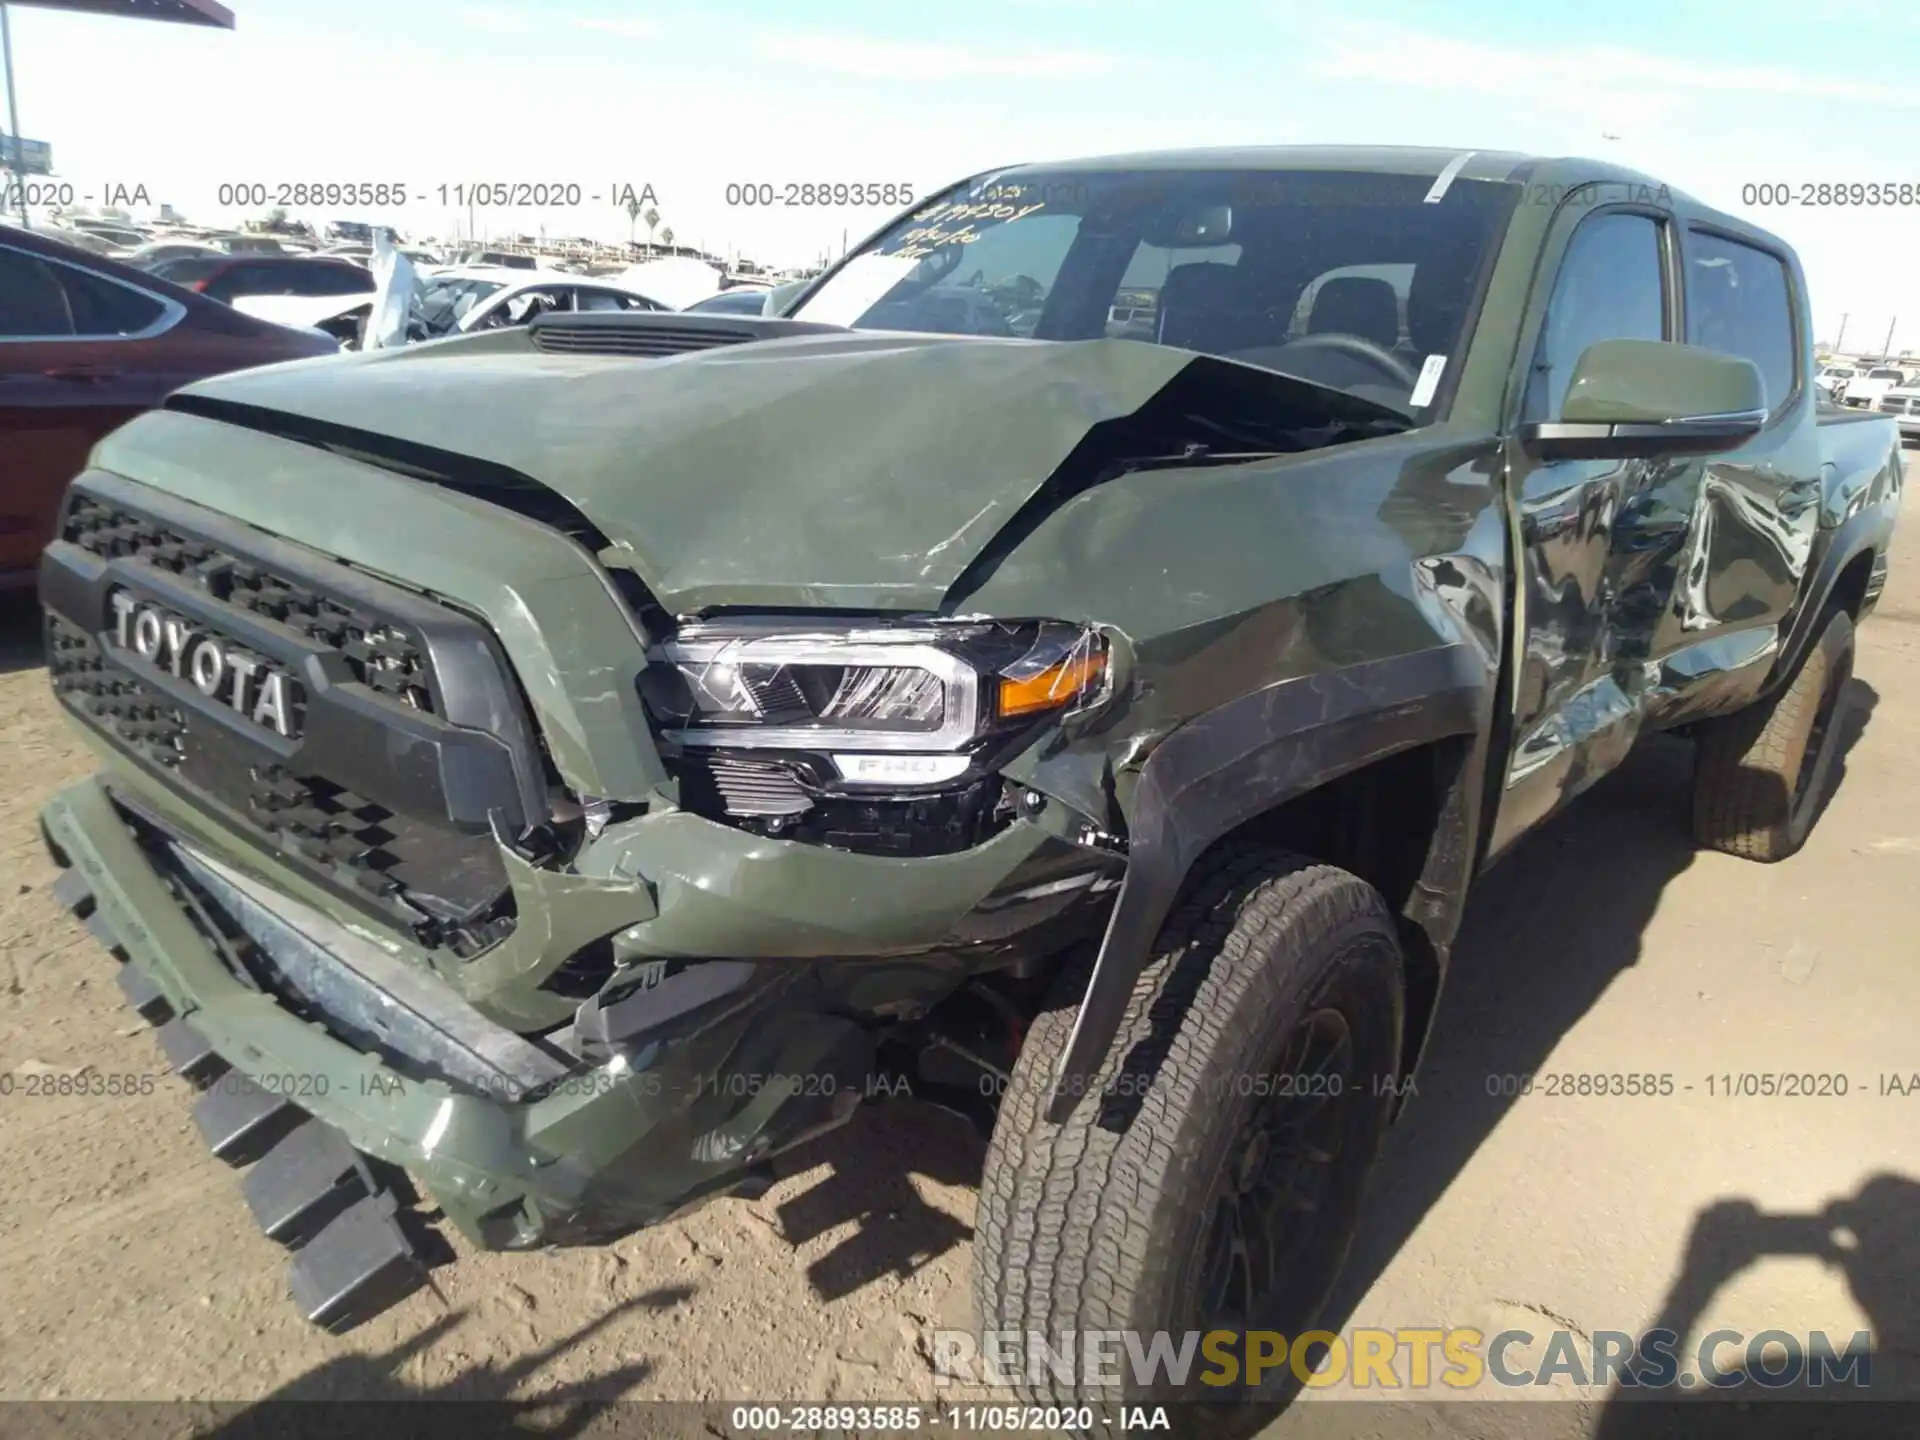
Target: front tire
<point>1761,774</point>
<point>1212,1176</point>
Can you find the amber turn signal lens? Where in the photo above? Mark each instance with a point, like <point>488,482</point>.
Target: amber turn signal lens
<point>1052,687</point>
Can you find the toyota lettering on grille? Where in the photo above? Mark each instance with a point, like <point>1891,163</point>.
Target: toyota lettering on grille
<point>243,682</point>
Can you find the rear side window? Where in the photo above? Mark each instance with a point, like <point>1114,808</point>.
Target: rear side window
<point>1610,287</point>
<point>1740,302</point>
<point>104,307</point>
<point>331,280</point>
<point>42,301</point>
<point>248,279</point>
<point>186,270</point>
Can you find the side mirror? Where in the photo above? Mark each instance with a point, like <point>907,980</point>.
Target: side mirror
<point>1648,399</point>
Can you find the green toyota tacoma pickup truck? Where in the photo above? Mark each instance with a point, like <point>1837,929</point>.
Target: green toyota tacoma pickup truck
<point>1074,661</point>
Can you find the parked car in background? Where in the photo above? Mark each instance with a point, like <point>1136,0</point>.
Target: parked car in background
<point>106,230</point>
<point>229,277</point>
<point>458,301</point>
<point>503,258</point>
<point>1834,379</point>
<point>85,344</point>
<point>1903,404</point>
<point>240,242</point>
<point>487,298</point>
<point>741,300</point>
<point>159,252</point>
<point>1866,391</point>
<point>87,240</point>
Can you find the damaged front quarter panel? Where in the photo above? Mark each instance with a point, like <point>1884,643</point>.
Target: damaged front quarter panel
<point>1368,622</point>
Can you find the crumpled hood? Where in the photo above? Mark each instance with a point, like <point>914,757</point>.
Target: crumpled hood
<point>857,470</point>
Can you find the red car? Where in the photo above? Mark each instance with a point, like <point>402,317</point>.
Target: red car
<point>86,343</point>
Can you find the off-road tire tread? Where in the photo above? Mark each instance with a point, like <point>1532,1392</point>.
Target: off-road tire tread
<point>1744,762</point>
<point>1058,1202</point>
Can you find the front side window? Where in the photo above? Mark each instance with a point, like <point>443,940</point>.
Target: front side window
<point>1739,301</point>
<point>1609,287</point>
<point>1215,261</point>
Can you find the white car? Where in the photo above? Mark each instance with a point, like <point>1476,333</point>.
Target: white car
<point>458,302</point>
<point>488,297</point>
<point>1834,380</point>
<point>1903,403</point>
<point>1867,390</point>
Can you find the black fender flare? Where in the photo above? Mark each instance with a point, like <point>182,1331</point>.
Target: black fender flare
<point>1869,531</point>
<point>1248,756</point>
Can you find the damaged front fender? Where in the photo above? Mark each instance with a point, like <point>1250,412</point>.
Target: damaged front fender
<point>1234,763</point>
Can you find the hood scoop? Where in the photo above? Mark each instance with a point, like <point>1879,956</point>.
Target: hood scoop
<point>648,333</point>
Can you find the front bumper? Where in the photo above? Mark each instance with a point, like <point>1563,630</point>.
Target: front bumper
<point>691,1105</point>
<point>603,1151</point>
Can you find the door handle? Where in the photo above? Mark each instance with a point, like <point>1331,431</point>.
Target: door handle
<point>81,372</point>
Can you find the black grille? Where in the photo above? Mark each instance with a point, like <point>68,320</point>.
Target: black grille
<point>408,750</point>
<point>147,724</point>
<point>381,858</point>
<point>379,654</point>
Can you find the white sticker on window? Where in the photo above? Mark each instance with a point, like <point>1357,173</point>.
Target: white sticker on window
<point>1444,180</point>
<point>1428,382</point>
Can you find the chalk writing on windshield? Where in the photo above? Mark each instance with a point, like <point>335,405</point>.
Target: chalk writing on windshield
<point>933,231</point>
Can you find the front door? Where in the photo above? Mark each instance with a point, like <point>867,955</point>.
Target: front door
<point>1582,602</point>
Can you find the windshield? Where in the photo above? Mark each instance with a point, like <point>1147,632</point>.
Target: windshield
<point>1884,375</point>
<point>446,300</point>
<point>1354,280</point>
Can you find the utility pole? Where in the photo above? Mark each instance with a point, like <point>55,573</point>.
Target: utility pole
<point>1886,350</point>
<point>1840,345</point>
<point>18,158</point>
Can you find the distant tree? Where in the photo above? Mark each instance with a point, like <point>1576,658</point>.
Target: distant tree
<point>652,218</point>
<point>666,237</point>
<point>276,218</point>
<point>634,208</point>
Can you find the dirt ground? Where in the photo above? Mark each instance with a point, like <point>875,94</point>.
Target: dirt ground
<point>130,1269</point>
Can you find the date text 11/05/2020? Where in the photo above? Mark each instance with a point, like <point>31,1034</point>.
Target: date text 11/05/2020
<point>480,194</point>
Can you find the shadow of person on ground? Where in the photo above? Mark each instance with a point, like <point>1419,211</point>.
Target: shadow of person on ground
<point>874,1157</point>
<point>20,638</point>
<point>1546,932</point>
<point>1873,1239</point>
<point>365,1395</point>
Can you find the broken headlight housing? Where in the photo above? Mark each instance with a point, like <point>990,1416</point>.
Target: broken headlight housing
<point>886,706</point>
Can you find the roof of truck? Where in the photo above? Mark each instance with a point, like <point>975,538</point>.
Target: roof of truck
<point>1431,160</point>
<point>1554,173</point>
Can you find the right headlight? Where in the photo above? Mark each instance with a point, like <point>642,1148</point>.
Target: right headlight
<point>890,704</point>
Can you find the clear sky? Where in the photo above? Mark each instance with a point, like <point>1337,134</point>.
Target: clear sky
<point>1707,95</point>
